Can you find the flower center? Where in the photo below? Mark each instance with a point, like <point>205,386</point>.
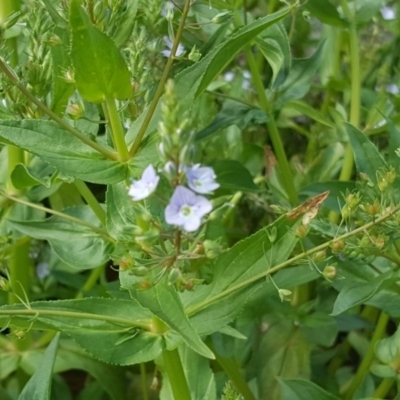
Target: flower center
<point>186,211</point>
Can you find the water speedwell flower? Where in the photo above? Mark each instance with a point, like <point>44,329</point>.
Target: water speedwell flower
<point>201,179</point>
<point>166,53</point>
<point>145,186</point>
<point>186,209</point>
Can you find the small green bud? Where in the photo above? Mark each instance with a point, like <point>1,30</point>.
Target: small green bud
<point>337,245</point>
<point>69,76</point>
<point>4,284</point>
<point>371,209</point>
<point>194,54</point>
<point>352,200</point>
<point>174,275</point>
<point>284,294</point>
<point>222,17</point>
<point>346,211</point>
<point>52,40</point>
<point>319,256</point>
<point>271,234</point>
<point>365,177</point>
<point>391,175</point>
<point>75,111</point>
<point>212,249</point>
<point>19,334</point>
<point>329,272</point>
<point>382,184</point>
<point>379,241</point>
<point>302,231</point>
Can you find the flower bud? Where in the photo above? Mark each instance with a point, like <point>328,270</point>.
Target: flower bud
<point>19,334</point>
<point>222,17</point>
<point>391,175</point>
<point>75,111</point>
<point>194,54</point>
<point>284,294</point>
<point>302,231</point>
<point>329,272</point>
<point>69,76</point>
<point>139,271</point>
<point>337,245</point>
<point>319,256</point>
<point>379,242</point>
<point>4,284</point>
<point>371,209</point>
<point>212,249</point>
<point>126,263</point>
<point>382,184</point>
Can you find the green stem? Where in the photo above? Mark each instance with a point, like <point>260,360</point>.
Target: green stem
<point>143,377</point>
<point>201,305</point>
<point>91,281</point>
<point>232,370</point>
<point>91,200</point>
<point>176,375</point>
<point>164,77</point>
<point>369,356</point>
<point>277,144</point>
<point>59,214</point>
<point>116,129</point>
<point>14,79</point>
<point>383,389</point>
<point>20,272</point>
<point>8,7</point>
<point>123,322</point>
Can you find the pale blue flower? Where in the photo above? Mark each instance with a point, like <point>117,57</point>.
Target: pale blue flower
<point>179,51</point>
<point>388,13</point>
<point>42,270</point>
<point>201,179</point>
<point>145,186</point>
<point>186,209</point>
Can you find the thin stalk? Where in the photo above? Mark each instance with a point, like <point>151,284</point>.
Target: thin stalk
<point>20,273</point>
<point>59,214</point>
<point>355,97</point>
<point>143,378</point>
<point>78,315</point>
<point>8,7</point>
<point>277,144</point>
<point>369,356</point>
<point>116,129</point>
<point>176,375</point>
<point>13,78</point>
<point>91,200</point>
<point>164,77</point>
<point>232,370</point>
<point>201,305</point>
<point>383,389</point>
<point>91,281</point>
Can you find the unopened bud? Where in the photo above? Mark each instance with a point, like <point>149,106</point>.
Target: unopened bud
<point>126,263</point>
<point>4,284</point>
<point>391,175</point>
<point>139,271</point>
<point>69,76</point>
<point>19,334</point>
<point>379,242</point>
<point>222,17</point>
<point>302,231</point>
<point>319,256</point>
<point>212,249</point>
<point>194,54</point>
<point>371,209</point>
<point>337,245</point>
<point>382,184</point>
<point>75,111</point>
<point>284,294</point>
<point>329,272</point>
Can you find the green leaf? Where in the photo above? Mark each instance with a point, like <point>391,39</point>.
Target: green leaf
<point>64,151</point>
<point>60,63</point>
<point>356,292</point>
<point>232,175</point>
<point>367,157</point>
<point>304,109</point>
<point>120,213</point>
<point>299,389</point>
<point>37,173</point>
<point>213,306</point>
<point>326,12</point>
<point>39,386</point>
<point>77,245</point>
<point>164,302</point>
<point>100,70</point>
<point>301,75</point>
<point>233,113</point>
<point>120,341</point>
<point>124,30</point>
<point>366,9</point>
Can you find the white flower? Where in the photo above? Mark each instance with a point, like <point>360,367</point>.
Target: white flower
<point>145,186</point>
<point>201,179</point>
<point>392,88</point>
<point>186,209</point>
<point>179,51</point>
<point>388,13</point>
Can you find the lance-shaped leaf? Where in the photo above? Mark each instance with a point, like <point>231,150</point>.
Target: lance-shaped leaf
<point>116,331</point>
<point>39,386</point>
<point>238,275</point>
<point>163,300</point>
<point>100,70</point>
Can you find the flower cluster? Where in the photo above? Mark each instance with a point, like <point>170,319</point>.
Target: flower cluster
<point>186,207</point>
